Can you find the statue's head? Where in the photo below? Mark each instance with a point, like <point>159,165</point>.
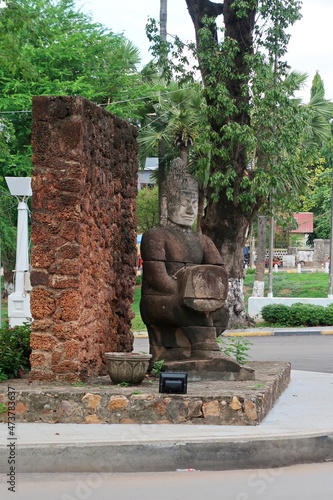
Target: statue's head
<point>180,197</point>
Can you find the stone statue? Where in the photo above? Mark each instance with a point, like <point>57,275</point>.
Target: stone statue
<point>184,285</point>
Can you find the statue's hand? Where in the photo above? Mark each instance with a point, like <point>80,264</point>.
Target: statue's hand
<point>203,287</point>
<point>155,273</point>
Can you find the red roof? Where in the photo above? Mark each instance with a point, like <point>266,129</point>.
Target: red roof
<point>304,221</point>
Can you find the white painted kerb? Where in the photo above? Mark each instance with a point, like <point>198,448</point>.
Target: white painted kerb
<point>255,304</point>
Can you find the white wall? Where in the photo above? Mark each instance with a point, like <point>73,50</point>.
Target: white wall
<point>255,304</point>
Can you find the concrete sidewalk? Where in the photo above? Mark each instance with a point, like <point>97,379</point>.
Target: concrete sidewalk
<point>299,429</point>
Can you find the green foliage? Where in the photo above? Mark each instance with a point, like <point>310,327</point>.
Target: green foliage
<point>276,314</point>
<point>328,315</point>
<point>298,315</point>
<point>3,408</point>
<point>157,367</point>
<point>235,347</point>
<point>176,117</point>
<point>147,209</point>
<point>317,86</point>
<point>306,314</point>
<point>51,48</point>
<point>8,221</point>
<point>317,198</point>
<point>257,386</point>
<point>14,350</point>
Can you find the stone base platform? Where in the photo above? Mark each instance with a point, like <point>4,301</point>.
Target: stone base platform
<point>206,402</point>
<point>209,371</point>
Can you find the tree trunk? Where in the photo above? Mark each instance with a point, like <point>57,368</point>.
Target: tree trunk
<point>226,221</point>
<point>163,19</point>
<point>259,284</point>
<point>200,8</point>
<point>227,225</point>
<point>184,154</point>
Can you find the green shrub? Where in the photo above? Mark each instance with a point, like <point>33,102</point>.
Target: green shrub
<point>139,279</point>
<point>14,350</point>
<point>315,315</point>
<point>306,314</point>
<point>250,270</point>
<point>298,314</point>
<point>276,314</point>
<point>328,315</point>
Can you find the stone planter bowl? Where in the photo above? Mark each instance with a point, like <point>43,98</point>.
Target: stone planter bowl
<point>129,367</point>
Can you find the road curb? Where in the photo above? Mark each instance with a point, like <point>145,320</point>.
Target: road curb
<point>276,333</point>
<point>221,454</point>
<point>260,333</point>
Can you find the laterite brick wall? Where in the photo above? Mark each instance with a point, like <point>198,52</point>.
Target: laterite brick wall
<point>84,185</point>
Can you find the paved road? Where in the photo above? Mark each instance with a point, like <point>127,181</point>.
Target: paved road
<point>307,352</point>
<point>304,352</point>
<point>301,482</point>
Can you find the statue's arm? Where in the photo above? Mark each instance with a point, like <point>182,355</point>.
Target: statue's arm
<point>211,253</point>
<point>155,273</point>
<point>153,253</point>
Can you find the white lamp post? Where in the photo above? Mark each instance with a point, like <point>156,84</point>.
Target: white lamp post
<point>19,300</point>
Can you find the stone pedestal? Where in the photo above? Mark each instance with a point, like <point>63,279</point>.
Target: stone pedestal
<point>211,369</point>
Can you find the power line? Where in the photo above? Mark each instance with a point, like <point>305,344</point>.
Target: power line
<point>115,102</point>
<point>147,97</point>
<point>22,111</point>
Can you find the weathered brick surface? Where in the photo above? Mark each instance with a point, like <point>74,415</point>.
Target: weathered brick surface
<point>83,232</point>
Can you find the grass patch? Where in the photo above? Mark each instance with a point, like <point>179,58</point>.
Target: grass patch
<point>309,285</point>
<point>137,323</point>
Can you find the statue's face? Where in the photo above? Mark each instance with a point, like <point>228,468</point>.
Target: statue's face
<point>183,210</point>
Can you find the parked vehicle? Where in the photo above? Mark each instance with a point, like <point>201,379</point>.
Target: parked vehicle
<point>276,261</point>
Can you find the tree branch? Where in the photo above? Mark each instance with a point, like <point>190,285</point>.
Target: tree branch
<point>201,8</point>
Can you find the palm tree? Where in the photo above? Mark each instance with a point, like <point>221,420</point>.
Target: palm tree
<point>318,129</point>
<point>176,120</point>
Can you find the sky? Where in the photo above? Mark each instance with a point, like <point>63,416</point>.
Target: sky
<point>310,47</point>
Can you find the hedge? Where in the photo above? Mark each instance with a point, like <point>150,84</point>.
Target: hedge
<point>298,314</point>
